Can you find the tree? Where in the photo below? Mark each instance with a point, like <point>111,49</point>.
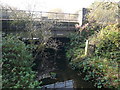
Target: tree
<point>33,28</point>
<point>104,12</point>
<point>75,15</point>
<point>24,23</point>
<point>56,13</point>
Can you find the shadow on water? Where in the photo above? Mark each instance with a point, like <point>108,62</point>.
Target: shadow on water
<point>63,72</point>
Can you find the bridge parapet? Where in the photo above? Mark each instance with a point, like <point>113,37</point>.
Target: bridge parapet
<point>38,15</point>
<point>65,21</point>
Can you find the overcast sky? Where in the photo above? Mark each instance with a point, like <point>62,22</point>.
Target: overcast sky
<point>69,6</point>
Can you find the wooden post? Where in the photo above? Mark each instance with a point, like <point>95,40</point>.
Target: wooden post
<point>86,48</point>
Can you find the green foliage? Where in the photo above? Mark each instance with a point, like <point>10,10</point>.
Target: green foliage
<point>103,66</point>
<point>17,63</point>
<point>108,49</point>
<point>53,74</point>
<point>107,42</point>
<point>77,40</point>
<point>75,46</point>
<point>91,29</point>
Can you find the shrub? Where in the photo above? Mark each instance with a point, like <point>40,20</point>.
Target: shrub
<point>75,46</point>
<point>107,43</point>
<point>103,66</point>
<point>17,63</point>
<point>108,49</point>
<point>77,40</point>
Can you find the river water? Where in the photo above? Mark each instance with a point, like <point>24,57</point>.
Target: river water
<point>63,73</point>
<point>68,75</point>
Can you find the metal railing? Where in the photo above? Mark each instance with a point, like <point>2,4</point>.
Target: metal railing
<point>8,14</point>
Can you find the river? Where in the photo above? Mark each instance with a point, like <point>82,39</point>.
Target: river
<point>62,73</point>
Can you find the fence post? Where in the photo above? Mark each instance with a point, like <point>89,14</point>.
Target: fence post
<point>86,48</point>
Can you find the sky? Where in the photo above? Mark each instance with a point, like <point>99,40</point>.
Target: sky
<point>68,6</point>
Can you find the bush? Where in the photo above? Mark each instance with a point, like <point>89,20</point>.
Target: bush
<point>108,50</point>
<point>103,66</point>
<point>17,63</point>
<point>77,40</point>
<point>75,46</point>
<point>107,42</point>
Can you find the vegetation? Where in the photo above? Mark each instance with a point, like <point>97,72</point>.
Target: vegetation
<point>77,40</point>
<point>17,65</point>
<point>18,74</point>
<point>56,14</point>
<point>102,66</point>
<point>104,13</point>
